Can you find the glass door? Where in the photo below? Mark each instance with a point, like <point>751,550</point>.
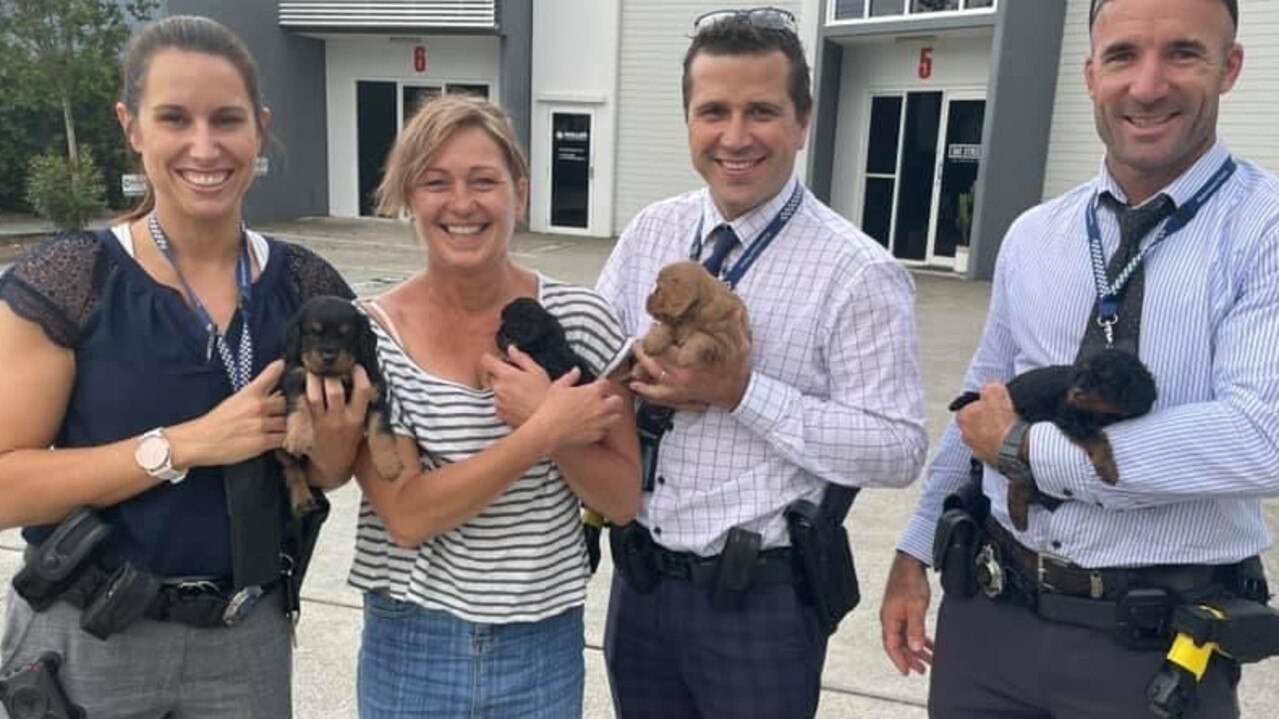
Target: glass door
<point>959,160</point>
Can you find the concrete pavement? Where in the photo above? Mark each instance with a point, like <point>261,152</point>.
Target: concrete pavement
<point>858,680</point>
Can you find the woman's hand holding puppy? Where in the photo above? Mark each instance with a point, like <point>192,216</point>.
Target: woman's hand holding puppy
<point>243,425</point>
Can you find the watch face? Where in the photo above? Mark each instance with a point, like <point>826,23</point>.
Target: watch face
<point>152,453</point>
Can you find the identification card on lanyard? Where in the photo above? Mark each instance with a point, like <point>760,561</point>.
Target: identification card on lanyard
<point>239,367</point>
<point>734,274</point>
<point>1110,292</point>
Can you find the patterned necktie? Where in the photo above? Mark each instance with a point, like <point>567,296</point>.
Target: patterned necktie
<point>725,239</point>
<point>1134,225</point>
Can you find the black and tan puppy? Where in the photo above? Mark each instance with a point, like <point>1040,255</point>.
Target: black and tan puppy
<point>1081,399</point>
<point>328,337</point>
<point>535,331</point>
<point>698,315</point>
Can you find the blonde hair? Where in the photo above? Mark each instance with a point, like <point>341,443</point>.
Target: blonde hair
<point>432,126</point>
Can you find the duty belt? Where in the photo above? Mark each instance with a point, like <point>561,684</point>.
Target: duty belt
<point>773,566</point>
<point>1134,604</point>
<point>201,602</point>
<point>1043,573</point>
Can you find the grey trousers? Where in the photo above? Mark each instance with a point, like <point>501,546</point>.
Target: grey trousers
<point>161,669</point>
<point>999,661</point>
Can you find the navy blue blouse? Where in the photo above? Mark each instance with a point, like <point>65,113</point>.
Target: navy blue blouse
<point>141,363</point>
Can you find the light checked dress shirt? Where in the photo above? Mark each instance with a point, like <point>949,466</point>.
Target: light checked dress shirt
<point>834,395</point>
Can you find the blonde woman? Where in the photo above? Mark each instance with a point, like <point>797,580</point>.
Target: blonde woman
<point>473,560</point>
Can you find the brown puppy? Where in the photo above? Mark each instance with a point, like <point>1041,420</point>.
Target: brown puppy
<point>328,337</point>
<point>699,316</point>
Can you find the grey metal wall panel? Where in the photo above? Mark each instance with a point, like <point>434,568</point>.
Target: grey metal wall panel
<point>292,70</point>
<point>516,21</point>
<point>1020,94</point>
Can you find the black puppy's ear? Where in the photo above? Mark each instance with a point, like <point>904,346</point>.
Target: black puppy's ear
<point>366,348</point>
<point>293,343</point>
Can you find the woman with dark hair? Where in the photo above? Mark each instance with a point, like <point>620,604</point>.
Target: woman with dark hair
<point>140,386</point>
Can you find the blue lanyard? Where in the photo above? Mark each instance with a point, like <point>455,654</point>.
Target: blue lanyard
<point>735,274</point>
<point>1109,293</point>
<point>240,368</point>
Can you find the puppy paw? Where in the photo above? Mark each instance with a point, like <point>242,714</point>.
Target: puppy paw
<point>385,460</point>
<point>299,437</point>
<point>1103,460</point>
<point>1019,498</point>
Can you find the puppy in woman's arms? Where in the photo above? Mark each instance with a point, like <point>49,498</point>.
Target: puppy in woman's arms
<point>699,316</point>
<point>328,337</point>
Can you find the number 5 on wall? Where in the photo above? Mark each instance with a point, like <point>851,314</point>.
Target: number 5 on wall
<point>925,63</point>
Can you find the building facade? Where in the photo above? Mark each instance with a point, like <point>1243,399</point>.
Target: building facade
<point>936,123</point>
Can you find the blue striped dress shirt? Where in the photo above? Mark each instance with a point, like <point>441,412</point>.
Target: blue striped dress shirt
<point>1193,471</point>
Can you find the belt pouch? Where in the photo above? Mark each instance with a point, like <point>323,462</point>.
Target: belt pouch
<point>736,566</point>
<point>824,562</point>
<point>55,564</point>
<point>1248,631</point>
<point>121,602</point>
<point>634,556</point>
<point>955,546</point>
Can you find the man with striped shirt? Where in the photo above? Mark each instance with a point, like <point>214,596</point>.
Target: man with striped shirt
<point>1043,636</point>
<point>828,393</point>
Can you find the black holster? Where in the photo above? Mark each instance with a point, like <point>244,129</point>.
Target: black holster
<point>34,692</point>
<point>634,556</point>
<point>959,536</point>
<point>56,564</point>
<point>825,575</point>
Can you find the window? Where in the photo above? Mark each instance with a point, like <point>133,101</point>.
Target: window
<point>866,9</point>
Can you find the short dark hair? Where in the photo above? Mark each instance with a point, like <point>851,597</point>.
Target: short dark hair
<point>738,36</point>
<point>1232,7</point>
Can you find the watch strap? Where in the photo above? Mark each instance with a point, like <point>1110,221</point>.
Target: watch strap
<point>1010,461</point>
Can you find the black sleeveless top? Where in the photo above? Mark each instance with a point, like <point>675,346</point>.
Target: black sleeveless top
<point>141,363</point>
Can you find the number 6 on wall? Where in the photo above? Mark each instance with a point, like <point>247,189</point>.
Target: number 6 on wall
<point>925,63</point>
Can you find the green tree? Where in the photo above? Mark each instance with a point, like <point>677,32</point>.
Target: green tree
<point>61,57</point>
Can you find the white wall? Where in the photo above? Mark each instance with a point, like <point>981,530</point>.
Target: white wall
<point>1247,113</point>
<point>450,58</point>
<point>961,61</point>
<point>652,144</point>
<point>575,70</point>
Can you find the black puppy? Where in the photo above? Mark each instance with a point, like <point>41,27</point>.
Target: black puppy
<point>1080,399</point>
<point>527,325</point>
<point>328,337</point>
<point>535,331</point>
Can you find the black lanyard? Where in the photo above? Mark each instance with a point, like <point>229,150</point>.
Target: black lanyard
<point>735,274</point>
<point>1110,293</point>
<point>240,368</point>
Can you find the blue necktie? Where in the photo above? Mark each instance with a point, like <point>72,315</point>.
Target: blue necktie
<point>725,239</point>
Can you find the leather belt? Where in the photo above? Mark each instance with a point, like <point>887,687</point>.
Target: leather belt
<point>1050,574</point>
<point>772,566</point>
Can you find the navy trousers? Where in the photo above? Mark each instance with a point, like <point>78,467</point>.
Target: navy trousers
<point>670,654</point>
<point>999,661</point>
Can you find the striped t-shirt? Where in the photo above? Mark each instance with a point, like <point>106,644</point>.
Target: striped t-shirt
<point>521,559</point>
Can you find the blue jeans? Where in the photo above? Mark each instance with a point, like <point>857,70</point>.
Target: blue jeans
<point>417,662</point>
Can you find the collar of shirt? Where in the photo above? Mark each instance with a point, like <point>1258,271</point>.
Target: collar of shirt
<point>749,225</point>
<point>1181,189</point>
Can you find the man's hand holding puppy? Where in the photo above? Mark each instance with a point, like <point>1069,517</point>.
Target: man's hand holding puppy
<point>696,387</point>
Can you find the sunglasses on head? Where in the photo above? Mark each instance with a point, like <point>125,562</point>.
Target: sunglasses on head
<point>767,18</point>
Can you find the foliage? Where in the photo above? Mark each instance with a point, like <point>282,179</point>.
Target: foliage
<point>59,70</point>
<point>68,194</point>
